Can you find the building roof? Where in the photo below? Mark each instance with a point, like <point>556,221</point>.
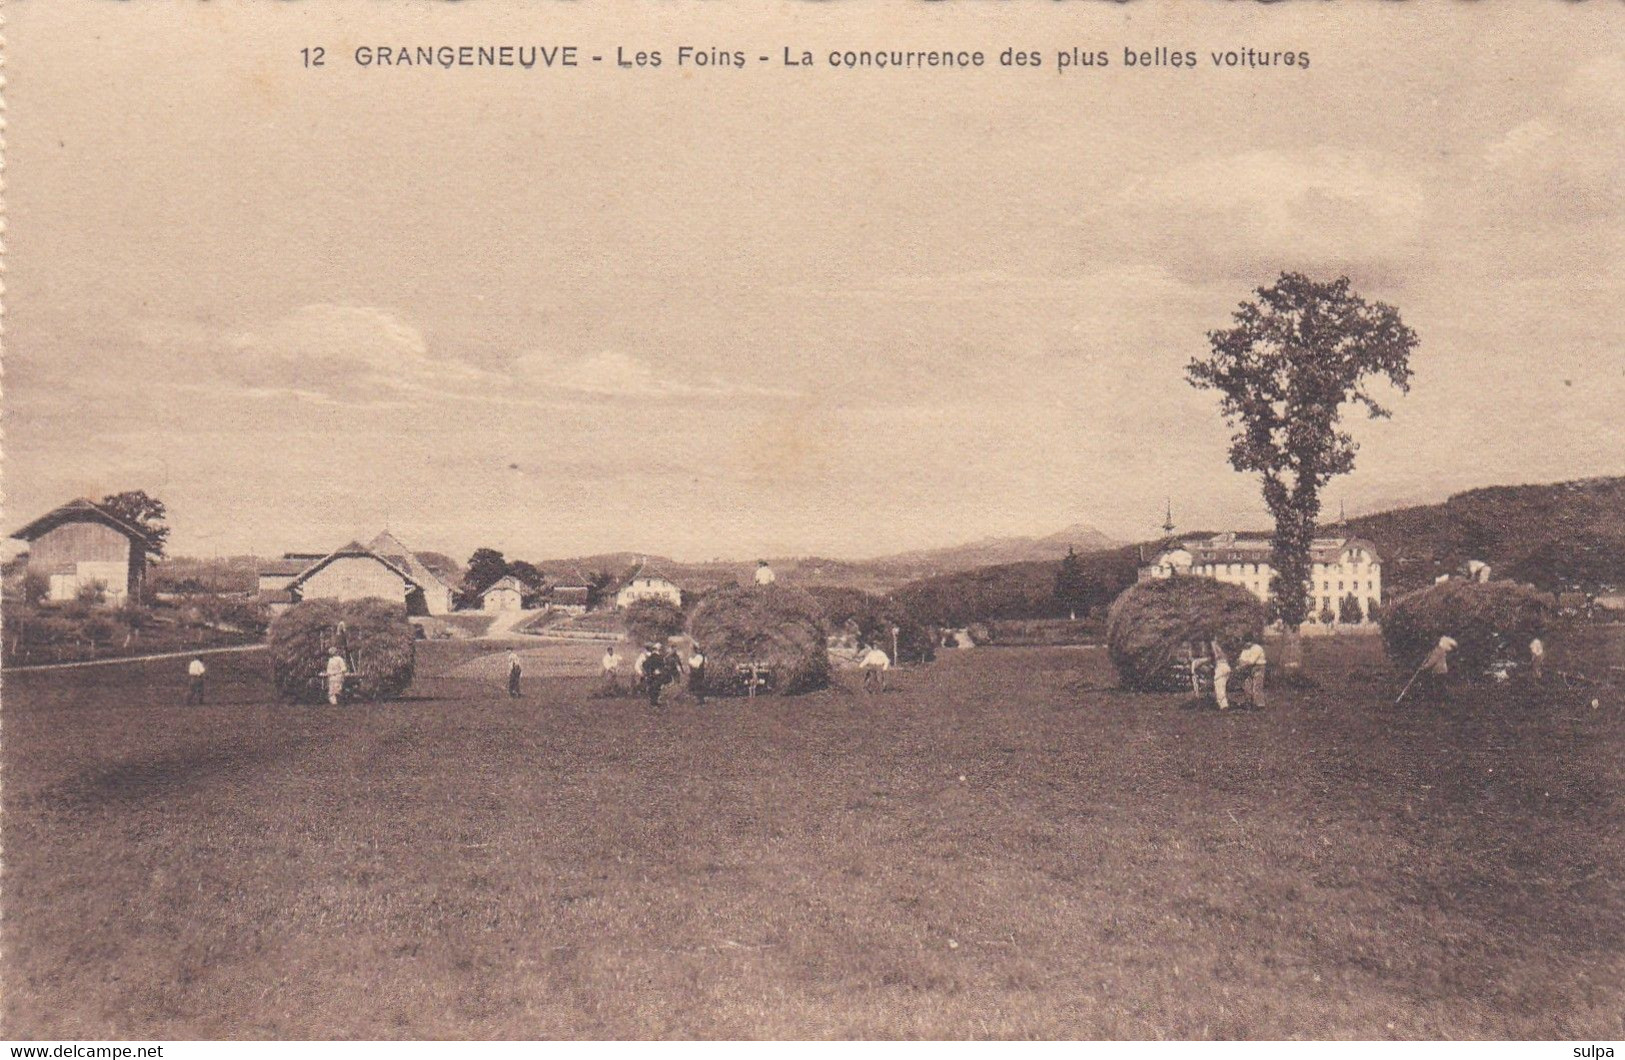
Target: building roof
<point>507,581</point>
<point>389,546</point>
<point>1255,548</point>
<point>286,566</point>
<point>569,593</point>
<point>82,510</point>
<point>353,550</point>
<point>646,572</point>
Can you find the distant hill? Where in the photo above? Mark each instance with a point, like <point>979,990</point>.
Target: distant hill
<point>874,575</point>
<point>1002,550</point>
<point>1566,535</point>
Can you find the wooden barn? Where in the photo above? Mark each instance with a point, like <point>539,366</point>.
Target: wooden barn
<point>82,544</point>
<point>355,572</point>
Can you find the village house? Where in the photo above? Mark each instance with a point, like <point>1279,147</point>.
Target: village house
<point>82,546</point>
<point>646,584</point>
<point>507,593</point>
<point>1340,567</point>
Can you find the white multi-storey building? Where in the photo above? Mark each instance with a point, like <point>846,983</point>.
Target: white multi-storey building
<point>1340,567</point>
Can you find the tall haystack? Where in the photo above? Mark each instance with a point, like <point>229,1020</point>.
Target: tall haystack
<point>773,626</point>
<point>372,634</point>
<point>1490,622</point>
<point>1154,623</point>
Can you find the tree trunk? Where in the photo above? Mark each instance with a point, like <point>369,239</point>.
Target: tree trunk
<point>1292,649</point>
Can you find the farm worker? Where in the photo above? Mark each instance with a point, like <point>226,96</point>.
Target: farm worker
<point>764,573</point>
<point>195,671</point>
<point>696,674</point>
<point>875,663</point>
<point>514,670</point>
<point>337,670</point>
<point>638,666</point>
<point>1436,668</point>
<point>654,674</point>
<point>1253,663</point>
<point>610,666</point>
<point>1537,658</point>
<point>1221,676</point>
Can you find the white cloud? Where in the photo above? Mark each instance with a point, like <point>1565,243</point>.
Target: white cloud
<point>349,354</point>
<point>1250,214</point>
<point>613,373</point>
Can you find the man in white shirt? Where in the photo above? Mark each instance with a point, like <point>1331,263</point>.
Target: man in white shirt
<point>764,573</point>
<point>638,665</point>
<point>875,663</point>
<point>1253,662</point>
<point>195,672</point>
<point>610,668</point>
<point>1221,676</point>
<point>337,670</point>
<point>1537,659</point>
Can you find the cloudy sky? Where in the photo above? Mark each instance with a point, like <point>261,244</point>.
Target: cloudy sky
<point>766,312</point>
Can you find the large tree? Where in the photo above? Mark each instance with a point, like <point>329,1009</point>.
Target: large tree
<point>143,511</point>
<point>1299,353</point>
<point>485,567</point>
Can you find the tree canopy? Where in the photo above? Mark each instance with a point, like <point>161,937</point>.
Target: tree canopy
<point>1299,353</point>
<point>142,510</point>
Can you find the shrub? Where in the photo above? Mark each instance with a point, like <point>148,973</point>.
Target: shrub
<point>649,621</point>
<point>1489,621</point>
<point>379,638</point>
<point>772,625</point>
<point>92,593</point>
<point>1152,624</point>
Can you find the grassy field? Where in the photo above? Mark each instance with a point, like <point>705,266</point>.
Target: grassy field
<point>1001,845</point>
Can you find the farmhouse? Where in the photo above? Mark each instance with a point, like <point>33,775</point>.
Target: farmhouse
<point>507,593</point>
<point>1340,567</point>
<point>646,584</point>
<point>82,545</point>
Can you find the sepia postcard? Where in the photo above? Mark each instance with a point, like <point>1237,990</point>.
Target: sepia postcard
<point>849,520</point>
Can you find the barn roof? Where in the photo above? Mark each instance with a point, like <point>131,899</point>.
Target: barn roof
<point>390,547</point>
<point>82,510</point>
<point>507,581</point>
<point>353,550</point>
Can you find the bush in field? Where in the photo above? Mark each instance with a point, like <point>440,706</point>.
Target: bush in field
<point>872,617</point>
<point>1489,621</point>
<point>1151,624</point>
<point>234,613</point>
<point>378,637</point>
<point>772,625</point>
<point>651,621</point>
